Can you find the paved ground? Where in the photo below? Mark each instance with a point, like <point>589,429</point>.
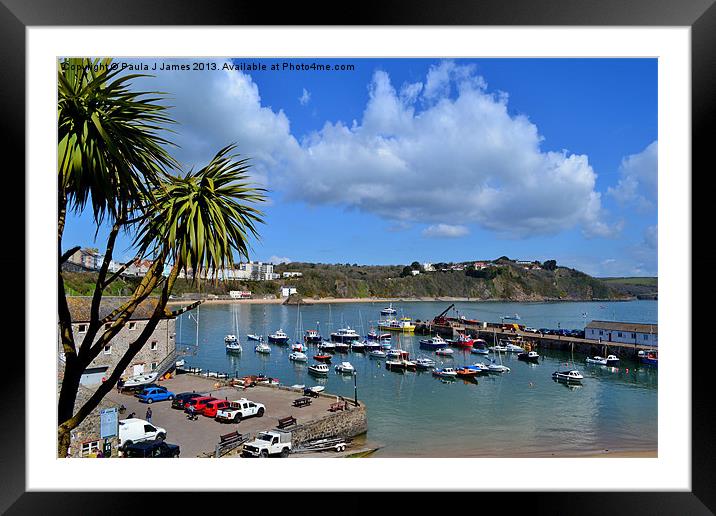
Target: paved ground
<point>197,437</point>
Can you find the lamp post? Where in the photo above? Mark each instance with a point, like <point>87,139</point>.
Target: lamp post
<point>355,388</point>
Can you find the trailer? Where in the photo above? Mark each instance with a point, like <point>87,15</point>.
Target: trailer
<point>337,444</point>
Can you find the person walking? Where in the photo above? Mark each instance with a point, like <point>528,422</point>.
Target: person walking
<point>149,414</point>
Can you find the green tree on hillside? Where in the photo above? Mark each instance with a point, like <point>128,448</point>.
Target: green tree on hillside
<point>550,265</point>
<point>112,158</point>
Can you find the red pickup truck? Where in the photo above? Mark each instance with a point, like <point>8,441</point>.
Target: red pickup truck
<point>198,404</point>
<point>212,407</point>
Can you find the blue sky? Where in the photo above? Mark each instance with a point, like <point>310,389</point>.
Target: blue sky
<point>434,160</point>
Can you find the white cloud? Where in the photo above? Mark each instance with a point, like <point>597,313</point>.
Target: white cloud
<point>651,237</point>
<point>279,259</point>
<point>639,178</point>
<point>445,231</point>
<point>437,152</point>
<point>305,97</point>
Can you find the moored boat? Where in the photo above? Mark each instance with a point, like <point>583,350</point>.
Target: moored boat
<point>327,346</point>
<point>445,352</point>
<point>404,324</point>
<point>345,367</point>
<point>252,336</point>
<point>312,337</point>
<point>297,356</point>
<point>263,348</point>
<point>649,357</point>
<point>318,369</point>
<point>389,310</point>
<point>462,340</point>
<point>230,338</point>
<point>528,356</point>
<point>569,376</point>
<point>479,347</point>
<point>377,353</point>
<point>424,363</point>
<point>358,346</point>
<point>466,372</point>
<point>445,372</point>
<point>323,357</point>
<point>279,337</point>
<point>435,342</point>
<point>610,360</point>
<point>233,347</point>
<point>345,335</point>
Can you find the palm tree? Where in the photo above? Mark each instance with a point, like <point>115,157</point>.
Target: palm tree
<point>111,155</point>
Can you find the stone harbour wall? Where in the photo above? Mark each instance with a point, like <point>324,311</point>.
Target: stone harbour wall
<point>344,423</point>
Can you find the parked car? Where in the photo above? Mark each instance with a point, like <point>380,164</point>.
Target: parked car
<point>155,394</point>
<point>151,449</point>
<point>268,443</point>
<point>135,430</point>
<point>212,407</point>
<point>183,397</point>
<point>240,409</point>
<point>198,404</point>
<point>531,330</point>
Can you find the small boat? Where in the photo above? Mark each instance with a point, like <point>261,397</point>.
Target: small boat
<point>372,335</point>
<point>345,367</point>
<point>377,353</point>
<point>511,347</point>
<point>514,317</point>
<point>263,348</point>
<point>388,310</point>
<point>611,360</point>
<point>397,354</point>
<point>446,352</point>
<point>479,347</point>
<point>345,335</point>
<point>445,372</point>
<point>494,367</point>
<point>569,376</point>
<point>650,357</point>
<point>327,346</point>
<point>179,363</point>
<point>312,337</point>
<point>462,341</point>
<point>370,345</point>
<point>233,347</point>
<point>404,324</point>
<point>424,363</point>
<point>498,348</point>
<point>318,369</point>
<point>315,389</point>
<point>466,372</point>
<point>342,347</point>
<point>140,379</point>
<point>297,387</point>
<point>358,346</point>
<point>385,344</point>
<point>279,337</point>
<point>258,338</point>
<point>530,356</point>
<point>297,346</point>
<point>479,367</point>
<point>324,357</point>
<point>297,356</point>
<point>435,342</point>
<point>395,365</point>
<point>230,338</point>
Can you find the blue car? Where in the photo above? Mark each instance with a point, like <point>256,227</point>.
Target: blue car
<point>155,394</point>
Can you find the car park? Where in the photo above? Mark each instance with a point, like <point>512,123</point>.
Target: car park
<point>151,450</point>
<point>155,394</point>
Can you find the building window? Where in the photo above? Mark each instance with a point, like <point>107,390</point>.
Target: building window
<point>108,349</point>
<point>132,325</point>
<point>107,326</point>
<point>153,345</point>
<point>646,337</point>
<point>633,335</point>
<point>89,448</point>
<point>154,365</point>
<point>82,328</point>
<point>601,332</point>
<point>619,334</point>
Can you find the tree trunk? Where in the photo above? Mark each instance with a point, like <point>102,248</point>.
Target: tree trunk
<point>68,391</point>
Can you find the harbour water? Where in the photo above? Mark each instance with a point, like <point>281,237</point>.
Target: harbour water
<point>413,414</point>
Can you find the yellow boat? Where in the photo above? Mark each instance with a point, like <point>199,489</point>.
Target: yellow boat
<point>405,325</point>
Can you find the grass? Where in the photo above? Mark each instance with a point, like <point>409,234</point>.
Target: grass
<point>644,281</point>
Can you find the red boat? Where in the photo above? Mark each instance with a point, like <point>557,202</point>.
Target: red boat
<point>462,341</point>
<point>466,373</point>
<point>323,358</point>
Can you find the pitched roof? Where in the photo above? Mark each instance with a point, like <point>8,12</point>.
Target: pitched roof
<point>80,307</point>
<point>624,326</point>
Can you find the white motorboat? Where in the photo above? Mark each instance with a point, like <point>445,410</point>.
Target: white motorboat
<point>424,363</point>
<point>514,348</point>
<point>479,347</point>
<point>297,356</point>
<point>345,335</point>
<point>327,346</point>
<point>318,369</point>
<point>571,376</point>
<point>494,367</point>
<point>297,346</point>
<point>297,387</point>
<point>479,366</point>
<point>445,372</point>
<point>388,310</point>
<point>317,388</point>
<point>233,347</point>
<point>279,337</point>
<point>514,317</point>
<point>529,356</point>
<point>252,336</point>
<point>377,353</point>
<point>345,367</point>
<point>179,363</point>
<point>312,337</point>
<point>263,348</point>
<point>140,379</point>
<point>445,352</point>
<point>342,347</point>
<point>435,342</point>
<point>230,338</point>
<point>358,346</point>
<point>611,360</point>
<point>498,348</point>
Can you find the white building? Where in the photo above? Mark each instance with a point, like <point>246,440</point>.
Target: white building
<point>626,333</point>
<point>287,291</point>
<point>428,267</point>
<point>240,294</point>
<point>291,274</point>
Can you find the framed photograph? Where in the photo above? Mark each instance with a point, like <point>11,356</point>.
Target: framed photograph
<point>444,241</point>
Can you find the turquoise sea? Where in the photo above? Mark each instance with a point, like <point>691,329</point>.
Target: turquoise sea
<point>520,413</point>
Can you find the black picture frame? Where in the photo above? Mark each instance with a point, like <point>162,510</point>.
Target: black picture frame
<point>699,15</point>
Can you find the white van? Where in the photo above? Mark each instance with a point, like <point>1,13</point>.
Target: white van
<point>137,430</point>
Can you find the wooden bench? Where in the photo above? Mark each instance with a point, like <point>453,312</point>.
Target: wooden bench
<point>301,402</point>
<point>229,438</point>
<point>285,422</point>
<point>338,405</point>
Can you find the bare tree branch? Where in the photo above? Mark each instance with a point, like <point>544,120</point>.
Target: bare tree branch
<point>187,308</point>
<point>68,253</point>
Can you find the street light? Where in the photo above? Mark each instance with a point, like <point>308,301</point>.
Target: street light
<point>355,387</point>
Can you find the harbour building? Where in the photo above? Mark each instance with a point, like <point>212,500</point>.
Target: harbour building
<point>623,332</point>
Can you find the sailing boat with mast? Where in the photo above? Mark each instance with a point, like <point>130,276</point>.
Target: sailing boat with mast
<point>298,345</point>
<point>494,367</point>
<point>568,375</point>
<point>233,345</point>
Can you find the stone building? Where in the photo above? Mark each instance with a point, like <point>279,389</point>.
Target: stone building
<point>159,349</point>
<point>624,332</point>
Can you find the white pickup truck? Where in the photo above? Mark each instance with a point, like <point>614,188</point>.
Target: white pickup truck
<point>240,409</point>
<point>268,443</point>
